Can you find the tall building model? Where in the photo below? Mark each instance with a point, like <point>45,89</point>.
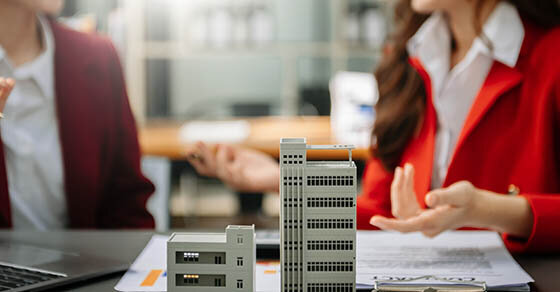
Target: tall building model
<point>318,220</point>
<point>212,262</point>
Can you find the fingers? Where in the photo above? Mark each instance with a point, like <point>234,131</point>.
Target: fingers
<point>6,87</point>
<point>405,226</point>
<point>11,83</point>
<point>396,191</point>
<point>409,178</point>
<point>224,155</point>
<point>403,197</point>
<point>198,164</point>
<point>224,158</point>
<point>396,184</point>
<point>459,195</point>
<point>432,233</point>
<point>203,159</point>
<point>205,151</point>
<point>231,169</point>
<point>6,83</point>
<point>430,222</point>
<point>237,175</point>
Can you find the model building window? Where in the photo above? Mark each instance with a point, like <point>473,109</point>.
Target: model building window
<point>190,280</point>
<point>191,256</point>
<point>330,181</point>
<point>330,223</point>
<point>239,261</point>
<point>239,284</point>
<point>239,240</point>
<point>317,287</point>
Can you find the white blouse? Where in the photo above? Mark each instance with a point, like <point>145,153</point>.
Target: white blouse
<point>455,89</point>
<point>31,141</point>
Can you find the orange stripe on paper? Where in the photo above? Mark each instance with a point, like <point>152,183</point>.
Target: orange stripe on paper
<point>151,278</point>
<point>268,263</point>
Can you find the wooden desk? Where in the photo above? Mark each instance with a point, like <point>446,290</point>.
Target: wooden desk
<point>162,138</point>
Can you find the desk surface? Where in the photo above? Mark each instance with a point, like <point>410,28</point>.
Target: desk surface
<point>162,138</point>
<point>126,245</point>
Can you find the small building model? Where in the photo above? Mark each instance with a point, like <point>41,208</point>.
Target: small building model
<point>317,220</point>
<point>212,262</point>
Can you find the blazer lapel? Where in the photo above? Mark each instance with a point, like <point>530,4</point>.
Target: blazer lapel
<point>420,153</point>
<point>71,83</point>
<point>501,78</point>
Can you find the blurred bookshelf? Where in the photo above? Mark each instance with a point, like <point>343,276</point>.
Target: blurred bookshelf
<point>201,58</point>
<point>214,59</point>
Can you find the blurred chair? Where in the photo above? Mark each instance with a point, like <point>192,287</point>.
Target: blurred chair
<point>158,170</point>
<point>315,101</point>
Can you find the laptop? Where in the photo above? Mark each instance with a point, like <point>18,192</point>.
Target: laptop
<point>34,268</point>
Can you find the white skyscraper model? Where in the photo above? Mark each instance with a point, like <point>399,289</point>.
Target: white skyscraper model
<point>317,221</point>
<point>212,262</point>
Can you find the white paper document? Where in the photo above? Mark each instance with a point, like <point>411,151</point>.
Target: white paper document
<point>454,255</point>
<point>148,272</point>
<point>151,262</point>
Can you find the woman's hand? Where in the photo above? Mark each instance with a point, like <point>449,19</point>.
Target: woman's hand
<point>459,205</point>
<point>6,86</point>
<point>449,208</point>
<point>241,169</point>
<point>203,159</point>
<point>404,204</point>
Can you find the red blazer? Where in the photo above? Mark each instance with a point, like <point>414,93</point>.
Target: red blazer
<point>511,136</point>
<point>103,182</point>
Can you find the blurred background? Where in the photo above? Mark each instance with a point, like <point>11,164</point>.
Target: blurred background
<point>243,72</point>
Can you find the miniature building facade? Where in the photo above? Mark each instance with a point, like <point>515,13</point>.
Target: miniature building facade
<point>212,262</point>
<point>317,221</point>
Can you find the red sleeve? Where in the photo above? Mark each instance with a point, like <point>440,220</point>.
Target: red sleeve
<point>545,236</point>
<point>126,193</point>
<point>375,198</point>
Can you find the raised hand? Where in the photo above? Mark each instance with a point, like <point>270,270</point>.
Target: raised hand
<point>241,169</point>
<point>6,86</point>
<point>403,197</point>
<point>203,158</point>
<point>449,208</point>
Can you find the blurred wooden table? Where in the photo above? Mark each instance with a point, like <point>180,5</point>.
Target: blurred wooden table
<point>161,138</point>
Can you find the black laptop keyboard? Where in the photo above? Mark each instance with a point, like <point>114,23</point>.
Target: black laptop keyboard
<point>11,278</point>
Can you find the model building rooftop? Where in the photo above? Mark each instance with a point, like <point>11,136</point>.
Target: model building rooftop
<point>293,140</point>
<point>240,227</point>
<point>294,150</point>
<point>199,237</point>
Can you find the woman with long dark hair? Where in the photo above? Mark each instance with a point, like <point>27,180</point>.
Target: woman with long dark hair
<point>470,99</point>
<point>469,111</point>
